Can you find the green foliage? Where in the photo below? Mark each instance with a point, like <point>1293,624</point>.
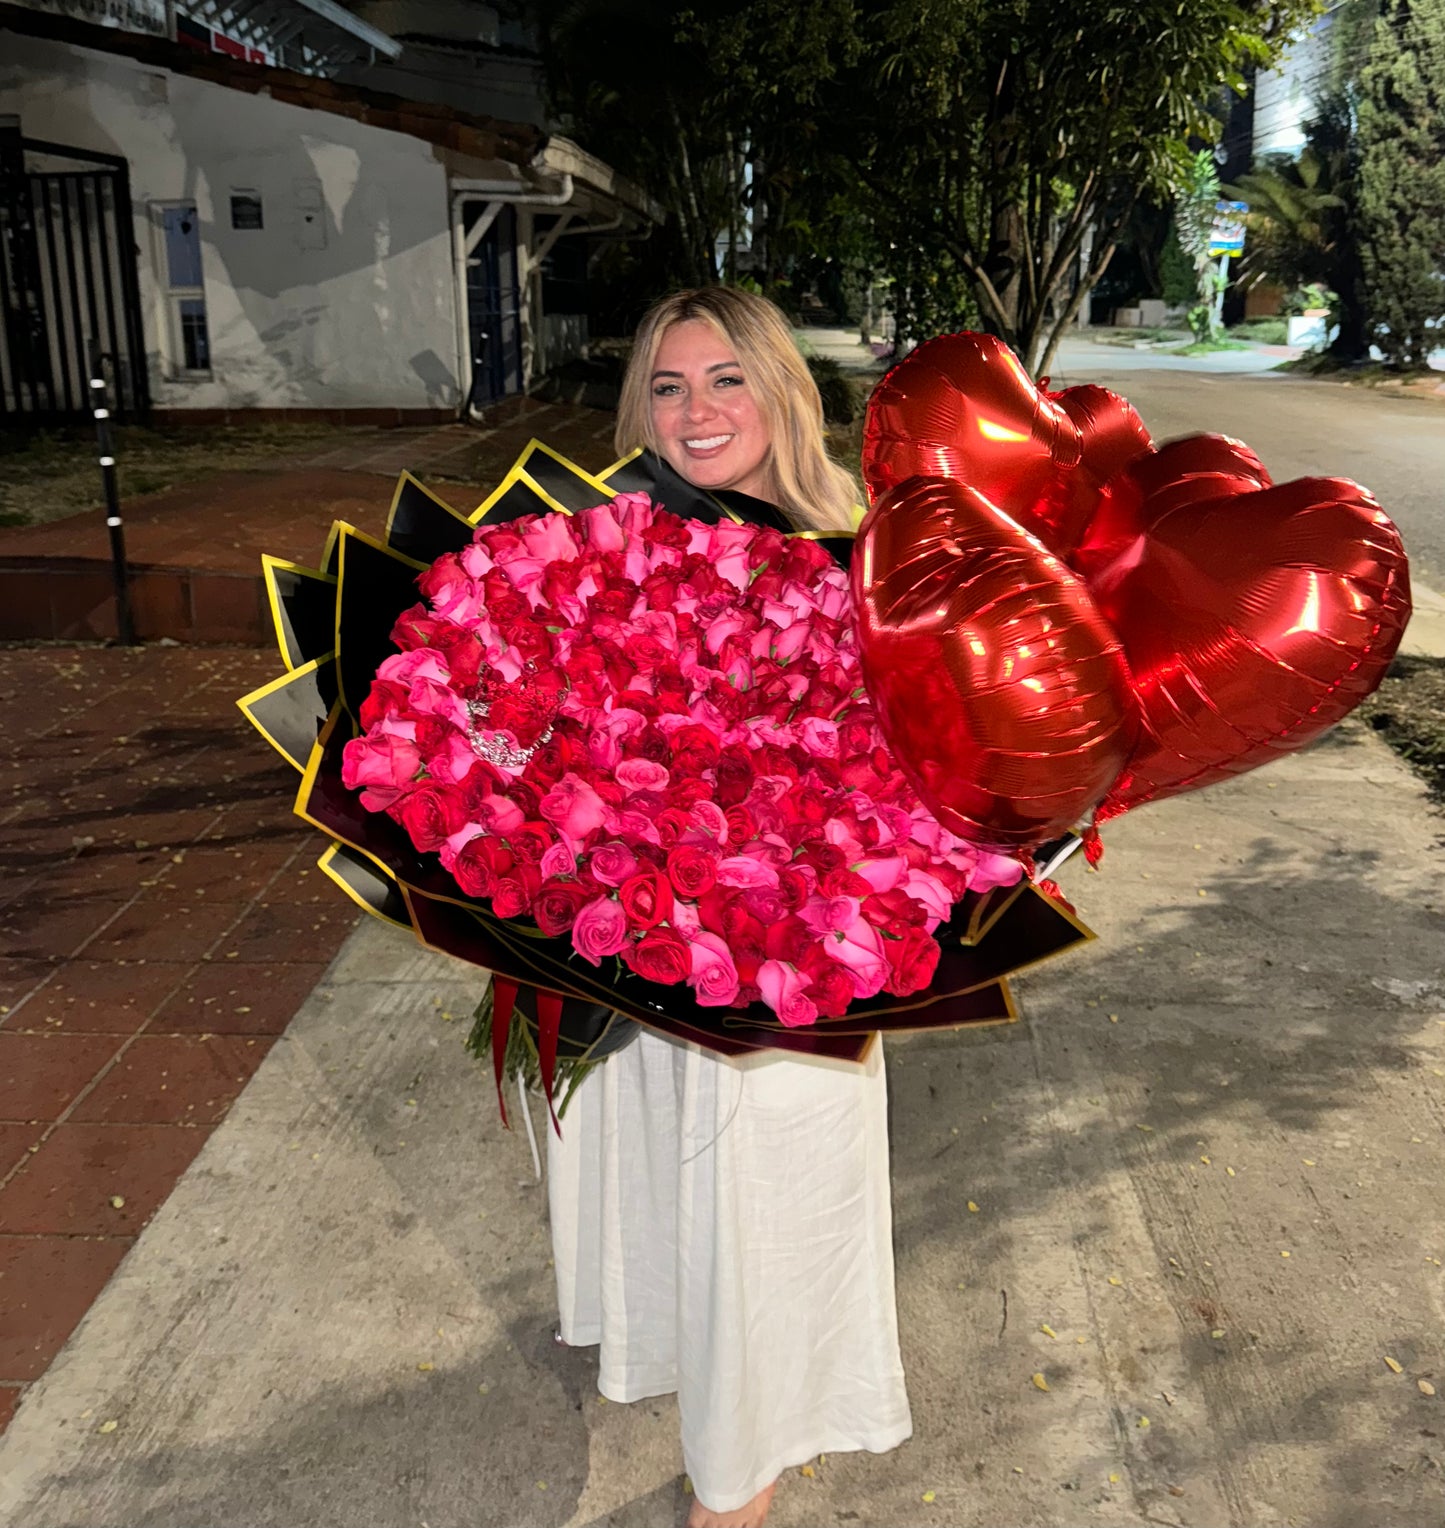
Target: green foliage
<point>839,404</point>
<point>1176,271</point>
<point>1194,209</point>
<point>1402,179</point>
<point>980,156</point>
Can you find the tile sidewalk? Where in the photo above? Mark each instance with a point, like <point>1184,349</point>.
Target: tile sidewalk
<point>161,919</point>
<point>195,549</point>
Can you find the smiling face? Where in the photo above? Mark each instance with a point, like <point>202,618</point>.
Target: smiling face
<point>705,416</point>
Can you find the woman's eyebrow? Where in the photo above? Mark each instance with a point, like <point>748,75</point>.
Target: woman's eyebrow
<point>718,366</point>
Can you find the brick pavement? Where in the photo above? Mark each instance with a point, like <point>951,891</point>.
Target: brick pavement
<point>195,550</point>
<point>161,919</point>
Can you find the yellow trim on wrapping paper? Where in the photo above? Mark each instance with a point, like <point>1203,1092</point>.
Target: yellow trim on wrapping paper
<point>269,567</point>
<point>621,462</point>
<point>416,482</point>
<point>324,865</point>
<point>516,473</point>
<point>269,688</point>
<point>821,535</point>
<point>542,448</point>
<point>331,536</point>
<point>345,533</point>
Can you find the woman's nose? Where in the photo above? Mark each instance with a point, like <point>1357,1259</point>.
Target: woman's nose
<point>697,408</point>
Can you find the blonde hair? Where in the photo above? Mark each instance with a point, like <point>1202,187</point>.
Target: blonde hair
<point>813,490</point>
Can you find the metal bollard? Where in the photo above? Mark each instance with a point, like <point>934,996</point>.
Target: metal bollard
<point>100,408</point>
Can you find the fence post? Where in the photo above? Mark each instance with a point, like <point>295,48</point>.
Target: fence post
<point>100,407</point>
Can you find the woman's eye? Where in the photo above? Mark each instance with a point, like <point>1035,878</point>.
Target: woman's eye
<point>729,381</point>
<point>665,389</point>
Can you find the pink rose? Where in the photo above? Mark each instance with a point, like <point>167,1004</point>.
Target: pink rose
<point>930,893</point>
<point>744,871</point>
<point>498,815</point>
<point>549,539</point>
<point>641,775</point>
<point>559,860</point>
<point>714,977</point>
<point>599,528</point>
<point>613,863</point>
<point>573,807</point>
<point>600,930</point>
<point>384,764</point>
<point>784,990</point>
<point>819,736</point>
<point>419,663</point>
<point>993,870</point>
<point>882,874</point>
<point>829,915</point>
<point>859,949</point>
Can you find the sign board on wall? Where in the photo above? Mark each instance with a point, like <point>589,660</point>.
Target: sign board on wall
<point>155,18</point>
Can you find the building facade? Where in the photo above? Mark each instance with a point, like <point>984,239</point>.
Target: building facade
<point>239,236</point>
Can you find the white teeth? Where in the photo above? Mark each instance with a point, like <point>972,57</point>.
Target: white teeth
<point>708,444</point>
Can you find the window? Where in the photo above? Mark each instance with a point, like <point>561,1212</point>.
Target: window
<point>190,343</point>
<point>246,210</point>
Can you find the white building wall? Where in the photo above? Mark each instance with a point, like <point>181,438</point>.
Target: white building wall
<point>354,307</point>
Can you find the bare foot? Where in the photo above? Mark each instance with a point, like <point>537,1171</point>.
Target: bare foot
<point>750,1515</point>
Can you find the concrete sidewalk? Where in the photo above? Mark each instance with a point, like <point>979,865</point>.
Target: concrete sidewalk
<point>1207,1167</point>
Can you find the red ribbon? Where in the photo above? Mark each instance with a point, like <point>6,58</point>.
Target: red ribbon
<point>549,1026</point>
<point>504,1000</point>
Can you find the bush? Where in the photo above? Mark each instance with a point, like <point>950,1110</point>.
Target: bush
<point>839,404</point>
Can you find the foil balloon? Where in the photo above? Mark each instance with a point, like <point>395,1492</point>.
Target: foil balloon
<point>1003,692</point>
<point>1254,616</point>
<point>963,407</point>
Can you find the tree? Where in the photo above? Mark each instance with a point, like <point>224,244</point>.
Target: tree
<point>1402,179</point>
<point>1016,137</point>
<point>1194,210</point>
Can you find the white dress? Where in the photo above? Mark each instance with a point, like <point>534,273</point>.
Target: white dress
<point>723,1230</point>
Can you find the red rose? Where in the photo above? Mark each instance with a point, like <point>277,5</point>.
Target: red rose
<point>480,864</point>
<point>832,990</point>
<point>893,910</point>
<point>512,896</point>
<point>387,698</point>
<point>912,961</point>
<point>841,882</point>
<point>661,955</point>
<point>691,870</point>
<point>531,841</point>
<point>644,652</point>
<point>444,575</point>
<point>742,828</point>
<point>788,940</point>
<point>557,904</point>
<point>694,749</point>
<point>431,814</point>
<point>671,823</point>
<point>734,776</point>
<point>793,889</point>
<point>647,900</point>
<point>688,793</point>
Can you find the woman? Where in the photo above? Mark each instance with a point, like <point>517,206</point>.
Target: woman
<point>723,1229</point>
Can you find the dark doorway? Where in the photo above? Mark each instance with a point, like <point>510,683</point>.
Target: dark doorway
<point>68,284</point>
<point>494,320</point>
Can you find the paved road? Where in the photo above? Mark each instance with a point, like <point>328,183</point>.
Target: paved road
<point>1394,445</point>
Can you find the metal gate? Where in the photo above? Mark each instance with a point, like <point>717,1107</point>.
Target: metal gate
<point>494,326</point>
<point>68,285</point>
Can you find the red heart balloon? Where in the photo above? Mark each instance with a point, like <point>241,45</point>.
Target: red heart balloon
<point>1254,617</point>
<point>1003,692</point>
<point>963,407</point>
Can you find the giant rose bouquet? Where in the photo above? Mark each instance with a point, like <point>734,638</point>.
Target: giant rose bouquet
<point>651,735</point>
